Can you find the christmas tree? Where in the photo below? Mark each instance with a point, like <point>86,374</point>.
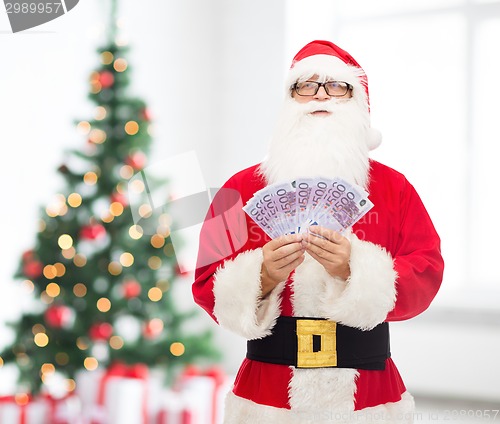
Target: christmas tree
<point>102,284</point>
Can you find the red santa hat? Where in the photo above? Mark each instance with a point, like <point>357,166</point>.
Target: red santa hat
<point>325,59</point>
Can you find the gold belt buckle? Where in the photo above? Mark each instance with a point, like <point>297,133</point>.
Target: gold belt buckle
<point>327,355</point>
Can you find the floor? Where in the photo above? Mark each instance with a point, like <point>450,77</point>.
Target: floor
<point>432,410</point>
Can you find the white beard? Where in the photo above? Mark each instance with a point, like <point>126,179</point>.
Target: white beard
<point>330,146</point>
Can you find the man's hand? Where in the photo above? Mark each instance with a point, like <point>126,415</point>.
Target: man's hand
<point>281,256</point>
<point>330,249</point>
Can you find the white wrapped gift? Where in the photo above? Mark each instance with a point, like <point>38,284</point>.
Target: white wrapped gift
<point>118,395</point>
<point>176,409</point>
<point>32,411</point>
<point>205,392</point>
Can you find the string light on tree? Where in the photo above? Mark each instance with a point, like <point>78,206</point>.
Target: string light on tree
<point>84,127</point>
<point>69,253</point>
<point>107,58</point>
<point>74,200</point>
<point>177,349</point>
<point>80,260</point>
<point>90,178</point>
<point>116,342</point>
<point>120,65</point>
<point>41,339</point>
<point>115,268</point>
<point>100,113</point>
<point>97,136</point>
<point>126,172</point>
<point>131,127</point>
<point>53,289</point>
<point>116,208</point>
<point>103,304</point>
<point>135,232</point>
<point>80,290</point>
<point>65,241</point>
<point>90,363</point>
<point>155,294</point>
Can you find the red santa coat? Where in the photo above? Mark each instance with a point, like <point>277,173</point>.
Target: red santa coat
<point>396,270</point>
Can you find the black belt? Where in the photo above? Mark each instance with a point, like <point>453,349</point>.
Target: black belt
<point>316,342</point>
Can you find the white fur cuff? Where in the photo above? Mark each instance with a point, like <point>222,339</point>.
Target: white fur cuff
<point>238,303</point>
<point>370,293</point>
<point>244,411</point>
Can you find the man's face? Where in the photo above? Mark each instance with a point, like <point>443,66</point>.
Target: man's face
<point>320,96</point>
<point>322,130</point>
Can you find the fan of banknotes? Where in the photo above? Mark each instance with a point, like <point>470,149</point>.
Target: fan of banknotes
<point>292,207</point>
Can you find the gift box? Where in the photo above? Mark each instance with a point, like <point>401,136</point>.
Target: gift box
<point>43,409</point>
<point>23,409</point>
<point>87,389</point>
<point>205,391</point>
<point>156,395</point>
<point>64,410</point>
<point>176,409</point>
<point>117,395</point>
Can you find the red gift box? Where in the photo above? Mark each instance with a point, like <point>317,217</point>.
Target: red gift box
<point>118,397</point>
<point>175,410</point>
<point>63,410</point>
<point>43,409</point>
<point>206,389</point>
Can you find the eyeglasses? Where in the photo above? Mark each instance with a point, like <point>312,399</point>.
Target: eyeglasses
<point>332,88</point>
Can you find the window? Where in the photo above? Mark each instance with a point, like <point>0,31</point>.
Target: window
<point>432,68</point>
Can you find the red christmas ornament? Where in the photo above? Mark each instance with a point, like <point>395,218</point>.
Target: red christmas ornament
<point>131,289</point>
<point>152,329</point>
<point>136,160</point>
<point>120,198</point>
<point>28,255</point>
<point>101,331</point>
<point>145,114</point>
<point>92,232</point>
<point>106,79</point>
<point>58,316</point>
<point>33,269</point>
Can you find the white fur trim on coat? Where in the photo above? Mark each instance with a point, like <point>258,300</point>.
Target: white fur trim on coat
<point>323,389</point>
<point>311,282</point>
<point>239,306</point>
<point>244,411</point>
<point>370,293</point>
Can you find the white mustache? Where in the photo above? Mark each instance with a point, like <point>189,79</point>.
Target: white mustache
<point>328,106</point>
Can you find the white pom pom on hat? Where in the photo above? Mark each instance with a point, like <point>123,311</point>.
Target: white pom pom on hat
<point>374,138</point>
<point>327,59</point>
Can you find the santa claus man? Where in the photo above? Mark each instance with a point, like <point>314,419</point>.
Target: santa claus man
<point>315,306</point>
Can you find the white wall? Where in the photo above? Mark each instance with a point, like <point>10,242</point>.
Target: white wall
<point>448,354</point>
<point>225,55</point>
<point>43,86</point>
